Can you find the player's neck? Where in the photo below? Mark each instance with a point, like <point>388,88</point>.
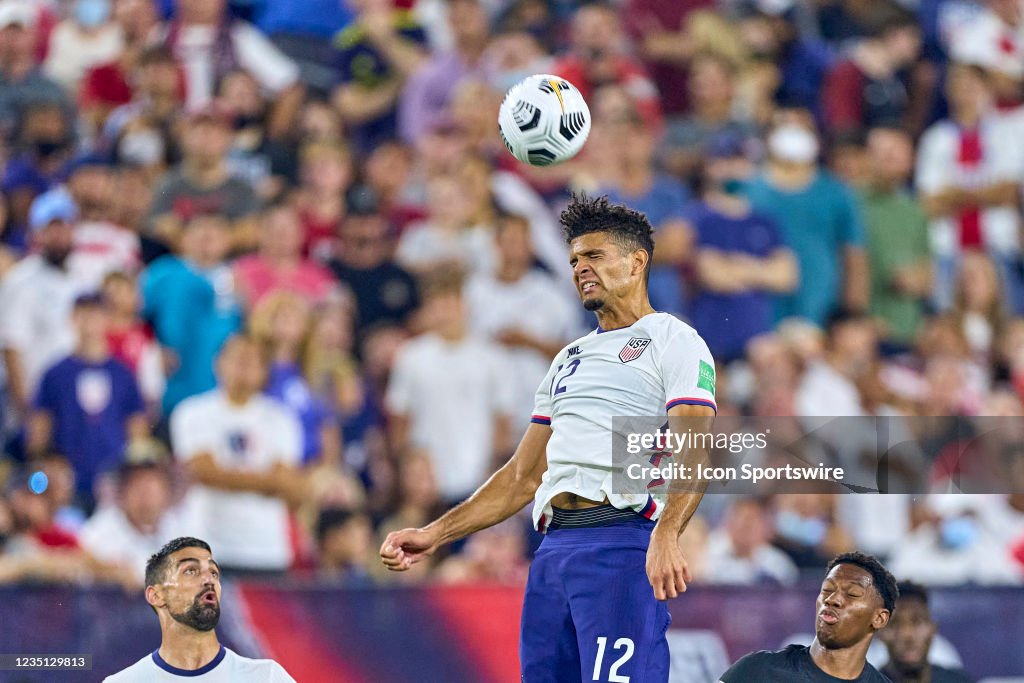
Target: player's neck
<point>624,314</point>
<point>185,648</point>
<point>846,663</point>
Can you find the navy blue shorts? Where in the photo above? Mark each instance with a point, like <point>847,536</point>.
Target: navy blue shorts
<point>589,613</point>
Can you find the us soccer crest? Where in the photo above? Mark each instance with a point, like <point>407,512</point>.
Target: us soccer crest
<point>633,349</point>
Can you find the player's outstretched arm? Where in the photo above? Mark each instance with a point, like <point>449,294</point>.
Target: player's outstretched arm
<point>501,496</point>
<point>666,567</point>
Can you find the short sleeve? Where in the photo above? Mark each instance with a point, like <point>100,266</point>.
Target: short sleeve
<point>288,439</point>
<point>542,399</point>
<point>688,370</point>
<point>933,163</point>
<point>399,397</point>
<point>279,675</point>
<point>746,669</point>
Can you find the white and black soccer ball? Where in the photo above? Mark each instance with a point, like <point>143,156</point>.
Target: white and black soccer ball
<point>544,120</point>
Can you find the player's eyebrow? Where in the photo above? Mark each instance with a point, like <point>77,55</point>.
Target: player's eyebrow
<point>196,560</point>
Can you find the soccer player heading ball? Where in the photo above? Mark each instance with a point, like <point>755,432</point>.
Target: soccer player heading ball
<point>183,588</point>
<point>594,608</point>
<point>857,599</point>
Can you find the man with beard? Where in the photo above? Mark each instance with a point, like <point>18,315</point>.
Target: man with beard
<point>857,598</point>
<point>36,298</point>
<point>909,639</point>
<point>595,604</point>
<point>183,588</point>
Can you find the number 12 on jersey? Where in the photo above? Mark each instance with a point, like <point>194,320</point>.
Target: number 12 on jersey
<point>570,370</point>
<point>613,672</point>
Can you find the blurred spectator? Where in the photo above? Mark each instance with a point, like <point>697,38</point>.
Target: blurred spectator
<point>449,235</point>
<point>968,179</point>
<point>908,638</point>
<point>450,394</point>
<point>428,92</point>
<point>628,175</point>
<point>388,173</point>
<point>598,56</point>
<point>344,539</point>
<point>278,265</point>
<point>101,245</point>
<point>22,83</point>
<point>265,163</point>
<point>515,53</point>
<point>325,173</point>
<point>130,340</point>
<point>141,132</point>
<point>806,529</point>
<point>384,291</point>
<point>190,301</point>
<point>832,386</point>
<point>979,310</point>
<point>282,324</point>
<point>742,264</point>
<point>203,183</point>
<point>712,79</point>
<point>494,555</point>
<point>866,89</point>
<point>108,84</point>
<point>376,55</point>
<point>127,533</point>
<point>952,546</point>
<point>740,553</point>
<point>88,407</point>
<point>209,44</point>
<point>37,295</point>
<point>993,39</point>
<point>242,450</point>
<point>522,309</point>
<point>45,144</point>
<point>84,39</point>
<point>897,237</point>
<point>819,221</point>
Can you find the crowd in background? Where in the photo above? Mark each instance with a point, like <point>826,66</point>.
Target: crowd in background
<point>269,277</point>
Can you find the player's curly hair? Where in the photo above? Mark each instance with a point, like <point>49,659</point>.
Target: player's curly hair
<point>627,227</point>
<point>884,582</point>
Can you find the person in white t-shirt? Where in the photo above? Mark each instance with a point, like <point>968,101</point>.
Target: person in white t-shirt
<point>522,308</point>
<point>243,450</point>
<point>130,531</point>
<point>183,588</point>
<point>450,393</point>
<point>589,610</point>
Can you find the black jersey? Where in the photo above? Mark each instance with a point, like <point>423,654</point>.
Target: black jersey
<point>791,665</point>
<point>940,674</point>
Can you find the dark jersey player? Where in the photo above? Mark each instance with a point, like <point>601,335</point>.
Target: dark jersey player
<point>857,599</point>
<point>909,638</point>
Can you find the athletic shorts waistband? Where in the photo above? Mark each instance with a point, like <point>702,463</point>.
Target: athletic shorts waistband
<point>601,515</point>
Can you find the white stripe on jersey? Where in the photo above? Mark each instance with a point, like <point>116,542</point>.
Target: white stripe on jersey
<point>640,370</point>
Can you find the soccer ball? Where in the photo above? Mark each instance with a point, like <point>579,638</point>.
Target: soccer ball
<point>544,120</point>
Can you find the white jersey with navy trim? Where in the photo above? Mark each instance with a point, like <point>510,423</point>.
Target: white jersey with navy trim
<point>227,667</point>
<point>641,370</point>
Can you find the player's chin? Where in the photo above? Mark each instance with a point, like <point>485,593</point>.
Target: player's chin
<point>593,304</point>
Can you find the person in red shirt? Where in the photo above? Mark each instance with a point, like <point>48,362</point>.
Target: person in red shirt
<point>131,340</point>
<point>598,57</point>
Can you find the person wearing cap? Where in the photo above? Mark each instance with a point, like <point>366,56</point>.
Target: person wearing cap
<point>818,218</point>
<point>37,295</point>
<point>22,83</point>
<point>203,183</point>
<point>88,406</point>
<point>743,265</point>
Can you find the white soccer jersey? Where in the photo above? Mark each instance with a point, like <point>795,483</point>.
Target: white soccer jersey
<point>227,667</point>
<point>641,370</point>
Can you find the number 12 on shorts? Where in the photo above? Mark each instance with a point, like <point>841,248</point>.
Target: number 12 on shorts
<point>613,671</point>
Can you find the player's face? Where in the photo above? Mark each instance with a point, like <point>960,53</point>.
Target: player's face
<point>601,269</point>
<point>909,634</point>
<point>849,608</point>
<point>191,591</point>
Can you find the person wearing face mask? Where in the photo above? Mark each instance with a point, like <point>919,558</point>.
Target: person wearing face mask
<point>818,219</point>
<point>954,546</point>
<point>37,296</point>
<point>87,38</point>
<point>742,263</point>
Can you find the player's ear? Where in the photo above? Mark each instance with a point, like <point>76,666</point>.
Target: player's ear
<point>640,261</point>
<point>881,619</point>
<point>155,597</point>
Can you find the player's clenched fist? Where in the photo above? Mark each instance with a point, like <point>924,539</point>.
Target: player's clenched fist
<point>666,568</point>
<point>402,549</point>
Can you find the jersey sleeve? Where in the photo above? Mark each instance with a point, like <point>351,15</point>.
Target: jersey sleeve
<point>279,675</point>
<point>542,399</point>
<point>746,669</point>
<point>688,371</point>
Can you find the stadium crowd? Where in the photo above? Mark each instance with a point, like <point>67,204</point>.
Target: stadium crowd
<point>268,276</point>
